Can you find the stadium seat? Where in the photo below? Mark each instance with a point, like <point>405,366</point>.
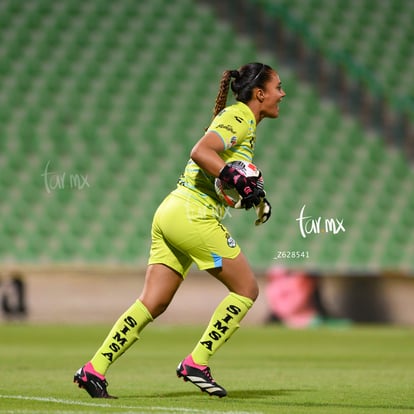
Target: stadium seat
<point>118,92</point>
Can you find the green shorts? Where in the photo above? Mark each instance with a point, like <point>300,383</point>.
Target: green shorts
<point>186,231</point>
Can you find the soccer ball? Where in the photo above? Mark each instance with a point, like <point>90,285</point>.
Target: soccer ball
<point>229,195</point>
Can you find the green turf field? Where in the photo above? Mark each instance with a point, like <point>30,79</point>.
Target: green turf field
<point>265,370</point>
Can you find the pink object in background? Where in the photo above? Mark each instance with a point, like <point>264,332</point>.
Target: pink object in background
<point>290,297</point>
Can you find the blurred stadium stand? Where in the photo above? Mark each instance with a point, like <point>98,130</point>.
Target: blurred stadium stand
<point>359,52</point>
<point>101,102</point>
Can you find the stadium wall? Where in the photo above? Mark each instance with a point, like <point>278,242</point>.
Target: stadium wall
<point>82,294</point>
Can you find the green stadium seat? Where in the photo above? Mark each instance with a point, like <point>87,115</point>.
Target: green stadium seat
<point>360,37</point>
<point>95,90</point>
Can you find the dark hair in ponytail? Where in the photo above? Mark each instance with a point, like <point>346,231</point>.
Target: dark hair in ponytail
<point>245,79</point>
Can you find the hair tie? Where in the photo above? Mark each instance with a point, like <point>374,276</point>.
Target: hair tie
<point>235,74</point>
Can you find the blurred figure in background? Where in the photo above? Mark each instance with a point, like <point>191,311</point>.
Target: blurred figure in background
<point>294,300</point>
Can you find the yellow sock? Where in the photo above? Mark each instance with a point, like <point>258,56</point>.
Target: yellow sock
<point>224,322</point>
<point>122,335</point>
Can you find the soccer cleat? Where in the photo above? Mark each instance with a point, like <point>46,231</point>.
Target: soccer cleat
<point>94,383</point>
<point>200,376</point>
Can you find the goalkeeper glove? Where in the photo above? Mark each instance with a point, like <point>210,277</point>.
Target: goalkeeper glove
<point>263,211</point>
<point>246,186</point>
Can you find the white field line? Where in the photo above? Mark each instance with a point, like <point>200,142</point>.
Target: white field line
<point>126,407</point>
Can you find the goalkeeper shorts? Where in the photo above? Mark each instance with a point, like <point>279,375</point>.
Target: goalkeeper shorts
<point>186,231</point>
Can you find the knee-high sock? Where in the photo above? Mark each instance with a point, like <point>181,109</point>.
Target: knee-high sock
<point>122,335</point>
<point>224,322</point>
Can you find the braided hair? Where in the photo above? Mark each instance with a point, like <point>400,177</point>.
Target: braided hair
<point>244,81</point>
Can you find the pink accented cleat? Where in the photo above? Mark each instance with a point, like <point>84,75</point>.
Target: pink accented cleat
<point>94,383</point>
<point>200,376</point>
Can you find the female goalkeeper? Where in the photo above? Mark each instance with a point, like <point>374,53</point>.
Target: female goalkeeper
<point>186,229</point>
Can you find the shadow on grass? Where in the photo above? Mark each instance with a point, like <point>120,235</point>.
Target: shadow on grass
<point>244,394</point>
<point>271,393</point>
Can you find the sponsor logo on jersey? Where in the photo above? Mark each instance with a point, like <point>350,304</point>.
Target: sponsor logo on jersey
<point>226,127</point>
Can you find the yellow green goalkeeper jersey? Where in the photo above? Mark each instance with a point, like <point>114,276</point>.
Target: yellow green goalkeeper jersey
<point>236,126</point>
